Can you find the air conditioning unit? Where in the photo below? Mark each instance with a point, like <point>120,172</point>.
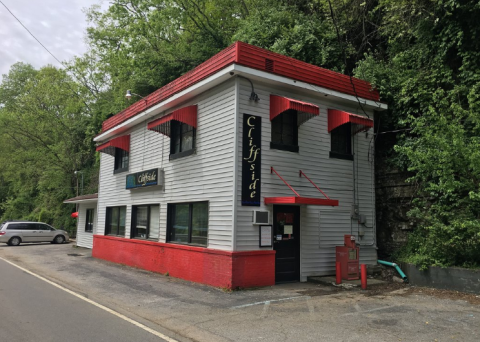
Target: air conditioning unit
<point>261,217</point>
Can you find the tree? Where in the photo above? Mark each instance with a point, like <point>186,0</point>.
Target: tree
<point>43,120</point>
<point>431,78</point>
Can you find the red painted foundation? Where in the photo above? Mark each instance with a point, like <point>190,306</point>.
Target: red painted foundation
<point>213,267</point>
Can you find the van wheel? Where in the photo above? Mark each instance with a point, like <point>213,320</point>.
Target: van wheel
<point>14,241</point>
<point>59,239</point>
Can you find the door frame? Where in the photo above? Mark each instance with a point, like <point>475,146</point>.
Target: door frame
<point>297,213</point>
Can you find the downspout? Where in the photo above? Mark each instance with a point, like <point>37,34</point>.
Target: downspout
<point>354,179</point>
<point>392,264</point>
<point>374,218</point>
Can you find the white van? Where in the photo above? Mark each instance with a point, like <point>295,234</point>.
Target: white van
<point>16,232</point>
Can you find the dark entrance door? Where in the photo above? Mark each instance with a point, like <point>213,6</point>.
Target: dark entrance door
<point>286,242</point>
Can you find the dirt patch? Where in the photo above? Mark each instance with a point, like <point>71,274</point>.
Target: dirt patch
<point>446,294</point>
<point>399,289</point>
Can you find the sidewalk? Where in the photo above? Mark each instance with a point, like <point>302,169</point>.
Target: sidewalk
<point>289,312</point>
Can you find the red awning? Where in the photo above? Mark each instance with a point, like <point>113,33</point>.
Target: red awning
<point>337,118</point>
<point>187,115</point>
<point>122,143</point>
<point>301,200</point>
<point>279,104</point>
<point>74,215</point>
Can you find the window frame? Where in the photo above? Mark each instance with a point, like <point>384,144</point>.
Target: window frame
<point>134,221</point>
<point>108,217</point>
<point>171,207</point>
<point>122,160</point>
<point>176,128</point>
<point>342,132</point>
<point>89,217</point>
<point>279,120</point>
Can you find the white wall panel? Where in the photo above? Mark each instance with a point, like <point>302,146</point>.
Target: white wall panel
<point>321,227</point>
<point>85,239</point>
<point>206,175</point>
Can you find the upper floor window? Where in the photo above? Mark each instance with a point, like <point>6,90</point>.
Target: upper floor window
<point>342,126</point>
<point>182,139</point>
<point>180,126</point>
<point>285,131</point>
<point>121,160</point>
<point>341,142</point>
<point>286,116</point>
<point>119,148</point>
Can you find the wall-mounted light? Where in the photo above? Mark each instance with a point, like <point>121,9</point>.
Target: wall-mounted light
<point>129,94</point>
<point>253,95</point>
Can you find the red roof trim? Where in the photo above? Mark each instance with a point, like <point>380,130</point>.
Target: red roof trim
<point>187,115</point>
<point>337,118</point>
<point>122,142</point>
<point>255,58</point>
<point>301,200</point>
<point>279,104</point>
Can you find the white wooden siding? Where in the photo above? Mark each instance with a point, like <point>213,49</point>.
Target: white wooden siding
<point>322,228</point>
<point>204,176</point>
<point>85,239</point>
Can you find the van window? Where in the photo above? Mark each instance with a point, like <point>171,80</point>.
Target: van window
<point>20,226</point>
<point>41,226</point>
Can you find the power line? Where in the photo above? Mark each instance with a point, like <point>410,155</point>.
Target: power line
<point>63,66</point>
<point>39,42</point>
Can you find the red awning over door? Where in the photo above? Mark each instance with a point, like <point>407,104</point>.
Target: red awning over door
<point>337,118</point>
<point>122,143</point>
<point>279,104</point>
<point>187,115</point>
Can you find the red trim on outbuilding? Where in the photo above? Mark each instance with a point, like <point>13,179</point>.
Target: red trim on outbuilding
<point>187,115</point>
<point>122,143</point>
<point>337,118</point>
<point>279,104</point>
<point>255,58</point>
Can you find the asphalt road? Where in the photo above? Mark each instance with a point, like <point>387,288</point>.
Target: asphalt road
<point>34,310</point>
<point>187,311</point>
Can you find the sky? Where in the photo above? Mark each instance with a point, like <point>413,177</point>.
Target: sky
<point>59,24</point>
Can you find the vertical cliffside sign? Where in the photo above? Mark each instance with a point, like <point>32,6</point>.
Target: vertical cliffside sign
<point>251,160</point>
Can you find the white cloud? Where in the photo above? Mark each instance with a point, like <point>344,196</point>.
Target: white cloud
<point>60,25</point>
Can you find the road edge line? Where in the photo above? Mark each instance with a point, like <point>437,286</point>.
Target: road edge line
<point>113,312</point>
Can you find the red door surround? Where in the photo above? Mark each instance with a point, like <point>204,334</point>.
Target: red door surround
<point>213,267</point>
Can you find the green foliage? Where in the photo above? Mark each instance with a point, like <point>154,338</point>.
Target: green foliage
<point>431,79</point>
<point>43,120</point>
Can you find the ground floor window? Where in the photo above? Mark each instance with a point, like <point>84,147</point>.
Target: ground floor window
<point>115,223</point>
<point>145,221</point>
<point>188,223</point>
<point>89,221</point>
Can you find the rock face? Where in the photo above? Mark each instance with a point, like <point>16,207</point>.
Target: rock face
<point>393,200</point>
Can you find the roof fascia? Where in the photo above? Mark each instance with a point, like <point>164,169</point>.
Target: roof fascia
<point>262,75</point>
<point>222,76</point>
<point>198,88</point>
<point>92,200</point>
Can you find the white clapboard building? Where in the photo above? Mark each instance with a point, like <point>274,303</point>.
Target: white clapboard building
<point>246,171</point>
